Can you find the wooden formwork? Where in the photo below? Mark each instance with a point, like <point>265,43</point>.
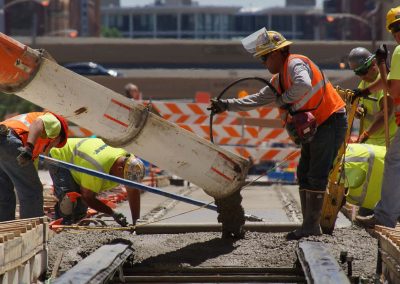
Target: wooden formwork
<point>389,240</point>
<point>23,251</point>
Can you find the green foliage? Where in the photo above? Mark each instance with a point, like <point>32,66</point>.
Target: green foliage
<point>13,104</point>
<point>110,32</point>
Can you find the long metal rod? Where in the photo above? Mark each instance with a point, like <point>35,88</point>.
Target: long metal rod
<point>134,185</point>
<point>131,184</point>
<point>173,228</point>
<point>215,279</point>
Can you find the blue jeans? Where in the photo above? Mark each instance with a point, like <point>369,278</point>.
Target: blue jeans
<point>25,180</point>
<point>63,183</point>
<point>317,157</point>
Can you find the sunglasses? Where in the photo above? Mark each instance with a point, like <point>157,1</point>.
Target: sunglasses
<point>395,28</point>
<point>363,70</point>
<point>264,57</point>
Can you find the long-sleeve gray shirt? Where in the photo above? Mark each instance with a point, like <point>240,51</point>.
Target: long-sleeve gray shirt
<point>300,74</point>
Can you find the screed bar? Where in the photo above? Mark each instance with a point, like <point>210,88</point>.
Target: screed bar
<point>212,227</point>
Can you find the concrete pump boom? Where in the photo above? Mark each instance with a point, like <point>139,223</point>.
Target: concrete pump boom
<point>119,121</point>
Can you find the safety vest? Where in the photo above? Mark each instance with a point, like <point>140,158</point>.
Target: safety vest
<point>371,108</point>
<point>364,173</point>
<point>91,153</point>
<point>322,100</point>
<point>20,125</point>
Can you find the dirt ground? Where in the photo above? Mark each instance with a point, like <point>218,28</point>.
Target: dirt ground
<point>208,249</point>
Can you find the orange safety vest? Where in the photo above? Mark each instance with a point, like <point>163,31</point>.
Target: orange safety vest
<point>20,124</point>
<point>321,91</point>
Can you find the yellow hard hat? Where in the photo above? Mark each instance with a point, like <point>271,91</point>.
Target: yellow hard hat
<point>134,169</point>
<point>393,16</point>
<point>263,42</point>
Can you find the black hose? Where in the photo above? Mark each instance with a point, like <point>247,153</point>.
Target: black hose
<point>228,87</point>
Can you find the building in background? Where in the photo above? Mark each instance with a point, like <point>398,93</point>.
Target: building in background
<point>51,18</point>
<point>299,19</point>
<point>187,19</point>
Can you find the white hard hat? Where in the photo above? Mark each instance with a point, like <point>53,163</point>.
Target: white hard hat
<point>134,169</point>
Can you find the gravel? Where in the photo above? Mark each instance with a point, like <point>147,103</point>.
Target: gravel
<point>208,249</point>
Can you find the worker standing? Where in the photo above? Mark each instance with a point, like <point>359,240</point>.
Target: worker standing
<point>387,211</point>
<point>93,153</point>
<point>301,88</point>
<point>364,65</point>
<point>22,139</point>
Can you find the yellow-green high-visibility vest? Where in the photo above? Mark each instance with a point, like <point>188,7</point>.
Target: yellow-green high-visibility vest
<point>363,174</point>
<point>371,108</point>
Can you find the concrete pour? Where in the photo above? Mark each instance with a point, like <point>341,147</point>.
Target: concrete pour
<point>174,251</point>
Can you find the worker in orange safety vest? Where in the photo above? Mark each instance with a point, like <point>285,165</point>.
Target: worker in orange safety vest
<point>22,139</point>
<point>313,112</point>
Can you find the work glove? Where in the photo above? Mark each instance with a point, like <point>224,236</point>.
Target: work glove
<point>381,53</point>
<point>218,106</point>
<point>360,112</point>
<point>120,219</point>
<point>358,93</point>
<point>25,154</point>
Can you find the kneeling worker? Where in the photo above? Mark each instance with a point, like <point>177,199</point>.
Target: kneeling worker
<point>93,153</point>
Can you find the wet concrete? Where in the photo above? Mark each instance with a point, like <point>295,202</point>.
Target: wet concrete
<point>208,249</point>
<point>273,203</point>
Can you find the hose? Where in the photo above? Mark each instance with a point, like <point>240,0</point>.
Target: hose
<point>231,85</point>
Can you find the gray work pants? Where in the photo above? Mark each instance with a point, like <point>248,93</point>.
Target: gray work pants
<point>388,208</point>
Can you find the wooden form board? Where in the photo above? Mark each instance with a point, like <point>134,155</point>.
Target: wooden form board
<point>23,252</point>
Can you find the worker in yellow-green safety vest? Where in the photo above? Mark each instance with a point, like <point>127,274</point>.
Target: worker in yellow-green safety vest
<point>76,191</point>
<point>363,174</point>
<point>370,112</point>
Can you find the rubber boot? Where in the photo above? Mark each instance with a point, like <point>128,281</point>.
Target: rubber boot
<point>312,214</point>
<point>315,201</point>
<point>294,234</point>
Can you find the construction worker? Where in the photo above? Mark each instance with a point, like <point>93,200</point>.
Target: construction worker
<point>363,63</point>
<point>93,153</point>
<point>387,211</point>
<point>301,89</point>
<point>132,92</point>
<point>22,139</point>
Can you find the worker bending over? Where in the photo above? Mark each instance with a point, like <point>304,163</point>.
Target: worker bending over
<point>364,65</point>
<point>302,90</point>
<point>93,153</point>
<point>22,139</point>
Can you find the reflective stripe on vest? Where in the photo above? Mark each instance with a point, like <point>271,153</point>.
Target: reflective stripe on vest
<point>370,160</point>
<point>314,90</point>
<point>322,100</point>
<point>80,154</point>
<point>21,118</point>
<point>86,157</point>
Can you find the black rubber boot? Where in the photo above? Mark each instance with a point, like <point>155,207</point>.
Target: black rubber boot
<point>296,234</point>
<point>312,215</point>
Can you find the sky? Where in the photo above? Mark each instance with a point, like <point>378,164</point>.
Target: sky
<point>242,3</point>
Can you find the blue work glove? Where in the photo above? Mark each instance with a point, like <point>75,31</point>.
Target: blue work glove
<point>218,106</point>
<point>25,155</point>
<point>381,53</point>
<point>120,219</point>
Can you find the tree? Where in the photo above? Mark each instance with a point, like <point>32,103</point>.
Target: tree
<point>110,32</point>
